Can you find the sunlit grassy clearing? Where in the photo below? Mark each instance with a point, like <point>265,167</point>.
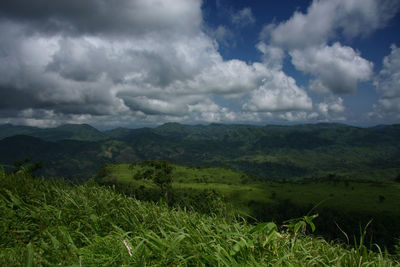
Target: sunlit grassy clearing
<point>347,195</point>
<point>49,223</point>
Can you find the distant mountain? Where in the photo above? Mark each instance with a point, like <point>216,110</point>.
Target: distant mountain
<point>125,134</point>
<point>212,131</point>
<point>271,151</point>
<point>7,130</point>
<point>68,158</point>
<point>22,146</point>
<point>81,132</point>
<point>118,133</point>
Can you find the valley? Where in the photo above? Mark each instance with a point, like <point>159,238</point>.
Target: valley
<point>266,152</point>
<point>346,178</point>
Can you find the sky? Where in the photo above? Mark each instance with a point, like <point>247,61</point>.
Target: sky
<point>134,63</point>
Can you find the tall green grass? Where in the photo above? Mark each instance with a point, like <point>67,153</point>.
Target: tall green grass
<point>48,222</point>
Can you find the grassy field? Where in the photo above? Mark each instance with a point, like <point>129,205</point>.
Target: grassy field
<point>342,204</point>
<point>48,223</point>
<point>183,174</point>
<point>347,195</point>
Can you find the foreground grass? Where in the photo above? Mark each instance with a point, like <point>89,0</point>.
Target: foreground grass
<point>52,223</point>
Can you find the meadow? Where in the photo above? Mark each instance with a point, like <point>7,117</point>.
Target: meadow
<point>342,203</point>
<point>48,222</point>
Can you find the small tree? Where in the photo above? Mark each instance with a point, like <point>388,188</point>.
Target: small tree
<point>160,172</point>
<point>163,177</point>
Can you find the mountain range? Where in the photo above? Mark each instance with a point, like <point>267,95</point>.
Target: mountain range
<point>276,152</point>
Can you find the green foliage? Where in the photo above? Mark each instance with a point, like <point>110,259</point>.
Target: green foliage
<point>2,172</point>
<point>48,223</point>
<point>348,202</point>
<point>272,152</point>
<point>207,201</point>
<point>81,132</point>
<point>160,172</point>
<point>299,225</point>
<point>397,247</point>
<point>26,167</point>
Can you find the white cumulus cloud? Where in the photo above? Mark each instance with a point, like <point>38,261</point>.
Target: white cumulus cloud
<point>306,36</point>
<point>337,68</point>
<point>331,108</point>
<point>387,85</point>
<point>278,92</point>
<point>326,19</point>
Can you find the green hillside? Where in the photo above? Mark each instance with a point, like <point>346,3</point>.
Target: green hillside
<point>49,223</point>
<point>79,132</point>
<point>350,195</point>
<point>7,130</point>
<point>69,158</point>
<point>268,152</point>
<point>346,202</point>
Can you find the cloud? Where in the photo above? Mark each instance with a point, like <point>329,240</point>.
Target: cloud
<point>92,17</point>
<point>272,56</point>
<point>331,108</point>
<point>236,20</point>
<point>63,64</point>
<point>243,17</point>
<point>307,37</point>
<point>387,84</point>
<point>388,81</point>
<point>328,63</point>
<point>124,62</point>
<point>326,19</point>
<point>278,92</point>
<point>27,83</point>
<point>209,111</point>
<point>222,33</point>
<point>229,77</point>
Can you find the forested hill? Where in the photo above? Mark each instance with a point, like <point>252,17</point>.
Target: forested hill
<point>272,151</point>
<point>81,132</point>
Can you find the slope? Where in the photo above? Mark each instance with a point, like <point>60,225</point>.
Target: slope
<point>348,203</point>
<point>269,152</point>
<point>52,223</point>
